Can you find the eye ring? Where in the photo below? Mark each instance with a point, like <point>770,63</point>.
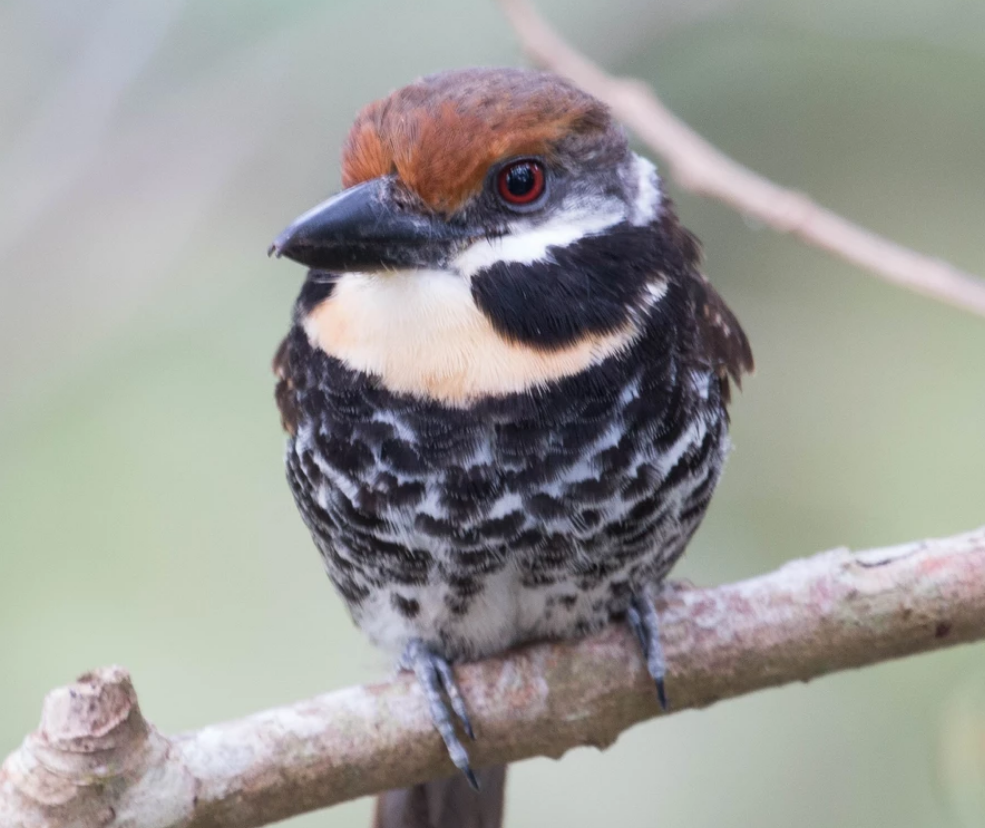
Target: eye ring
<point>521,182</point>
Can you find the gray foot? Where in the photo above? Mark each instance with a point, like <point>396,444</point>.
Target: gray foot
<point>437,681</point>
<point>645,624</point>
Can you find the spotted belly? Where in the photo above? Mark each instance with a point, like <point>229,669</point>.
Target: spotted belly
<point>477,529</point>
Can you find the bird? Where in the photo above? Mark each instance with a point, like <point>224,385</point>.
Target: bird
<point>505,387</point>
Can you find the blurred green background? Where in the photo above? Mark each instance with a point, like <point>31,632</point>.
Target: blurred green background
<point>150,151</point>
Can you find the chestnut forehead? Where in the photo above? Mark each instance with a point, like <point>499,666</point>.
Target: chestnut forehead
<point>441,134</point>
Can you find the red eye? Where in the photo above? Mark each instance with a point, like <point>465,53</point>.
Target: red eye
<point>521,182</point>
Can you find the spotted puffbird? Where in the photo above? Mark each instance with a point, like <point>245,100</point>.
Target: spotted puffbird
<point>505,384</point>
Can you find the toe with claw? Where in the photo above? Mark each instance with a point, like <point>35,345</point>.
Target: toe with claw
<point>645,624</point>
<point>436,679</point>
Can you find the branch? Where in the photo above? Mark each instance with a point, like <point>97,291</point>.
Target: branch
<point>95,761</point>
<point>699,167</point>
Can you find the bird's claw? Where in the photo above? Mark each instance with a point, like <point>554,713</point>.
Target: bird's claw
<point>454,695</point>
<point>645,624</point>
<point>436,679</point>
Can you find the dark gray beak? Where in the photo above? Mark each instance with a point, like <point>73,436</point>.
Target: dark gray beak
<point>364,229</point>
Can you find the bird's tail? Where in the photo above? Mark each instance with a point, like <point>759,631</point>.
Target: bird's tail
<point>445,803</point>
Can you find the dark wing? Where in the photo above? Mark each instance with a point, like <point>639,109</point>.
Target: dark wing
<point>284,392</point>
<point>722,343</point>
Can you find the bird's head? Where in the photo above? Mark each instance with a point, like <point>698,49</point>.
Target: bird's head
<point>495,235</point>
<point>469,167</point>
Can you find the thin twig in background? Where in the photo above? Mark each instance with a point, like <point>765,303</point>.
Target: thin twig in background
<point>700,168</point>
<point>96,762</point>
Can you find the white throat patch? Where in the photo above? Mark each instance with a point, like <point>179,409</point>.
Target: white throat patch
<point>422,334</point>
